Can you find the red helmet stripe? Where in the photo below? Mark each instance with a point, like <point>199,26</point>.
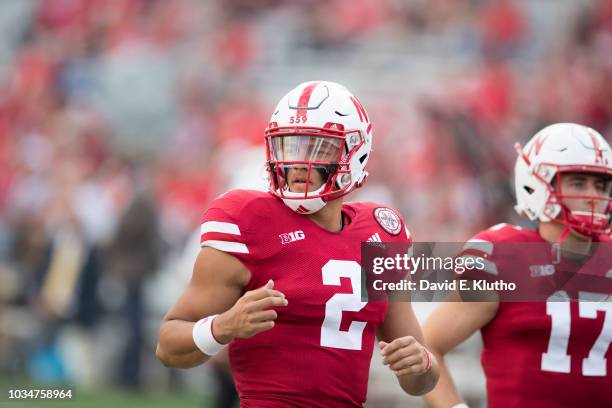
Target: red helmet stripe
<point>305,99</point>
<point>360,110</point>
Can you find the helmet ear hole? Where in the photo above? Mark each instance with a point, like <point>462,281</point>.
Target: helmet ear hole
<point>363,158</point>
<point>528,189</point>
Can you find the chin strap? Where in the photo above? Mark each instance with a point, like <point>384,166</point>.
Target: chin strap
<point>303,205</point>
<point>556,246</point>
<point>566,231</point>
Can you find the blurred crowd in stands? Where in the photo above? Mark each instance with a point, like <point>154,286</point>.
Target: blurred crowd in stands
<point>120,120</point>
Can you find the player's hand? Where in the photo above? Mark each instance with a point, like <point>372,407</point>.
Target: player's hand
<point>405,355</point>
<point>250,315</point>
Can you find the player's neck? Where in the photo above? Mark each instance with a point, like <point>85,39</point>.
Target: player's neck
<point>573,243</point>
<point>329,217</point>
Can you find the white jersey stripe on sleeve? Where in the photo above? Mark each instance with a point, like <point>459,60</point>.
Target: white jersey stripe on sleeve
<point>226,246</point>
<point>218,226</point>
<point>479,245</point>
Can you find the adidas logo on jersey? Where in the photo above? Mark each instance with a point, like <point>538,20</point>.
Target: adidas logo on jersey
<point>374,238</point>
<point>292,236</point>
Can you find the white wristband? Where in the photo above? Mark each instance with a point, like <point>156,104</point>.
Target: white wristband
<point>462,405</point>
<point>203,337</point>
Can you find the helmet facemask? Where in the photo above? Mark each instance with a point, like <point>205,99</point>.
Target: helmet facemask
<point>591,220</point>
<point>299,157</point>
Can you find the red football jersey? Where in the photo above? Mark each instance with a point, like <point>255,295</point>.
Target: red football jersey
<point>548,353</point>
<point>318,353</point>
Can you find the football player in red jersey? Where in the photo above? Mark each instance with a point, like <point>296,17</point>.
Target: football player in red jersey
<point>552,353</point>
<point>278,277</point>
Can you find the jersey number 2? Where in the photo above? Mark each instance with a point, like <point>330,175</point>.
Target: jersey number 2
<point>331,335</point>
<point>556,358</point>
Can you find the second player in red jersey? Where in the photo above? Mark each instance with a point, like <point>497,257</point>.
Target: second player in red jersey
<point>552,351</point>
<point>279,276</point>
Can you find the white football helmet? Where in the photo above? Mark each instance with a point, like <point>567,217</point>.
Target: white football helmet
<point>556,149</point>
<point>318,126</point>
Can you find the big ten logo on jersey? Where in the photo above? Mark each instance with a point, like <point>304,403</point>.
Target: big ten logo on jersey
<point>292,236</point>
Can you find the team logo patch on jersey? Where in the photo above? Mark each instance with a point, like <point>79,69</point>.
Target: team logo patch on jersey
<point>388,220</point>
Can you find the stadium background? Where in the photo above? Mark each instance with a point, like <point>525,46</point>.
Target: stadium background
<point>120,120</point>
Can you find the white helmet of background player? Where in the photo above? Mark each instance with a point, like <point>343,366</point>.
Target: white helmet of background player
<point>319,126</point>
<point>556,149</point>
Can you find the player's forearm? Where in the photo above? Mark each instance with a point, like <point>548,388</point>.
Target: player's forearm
<point>420,384</point>
<point>445,394</point>
<point>176,347</point>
